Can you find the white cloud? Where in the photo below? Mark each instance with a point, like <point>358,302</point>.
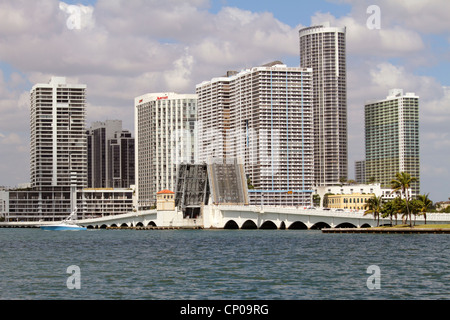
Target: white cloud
<point>179,78</point>
<point>389,41</point>
<point>10,139</point>
<point>78,16</point>
<point>430,16</point>
<point>127,48</point>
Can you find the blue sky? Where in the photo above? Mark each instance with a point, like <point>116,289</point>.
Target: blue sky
<point>288,11</point>
<point>124,49</point>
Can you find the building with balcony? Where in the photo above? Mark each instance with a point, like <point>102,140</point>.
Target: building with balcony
<point>323,48</point>
<point>392,138</point>
<point>58,155</point>
<point>262,116</point>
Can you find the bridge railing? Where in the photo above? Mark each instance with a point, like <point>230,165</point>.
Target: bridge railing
<point>433,216</point>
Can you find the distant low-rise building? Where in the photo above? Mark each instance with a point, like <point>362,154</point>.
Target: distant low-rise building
<point>325,192</point>
<point>354,201</point>
<point>56,203</point>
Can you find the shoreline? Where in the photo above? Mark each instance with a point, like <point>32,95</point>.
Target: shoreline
<point>391,230</point>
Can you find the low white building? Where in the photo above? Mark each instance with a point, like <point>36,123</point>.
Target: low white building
<point>56,203</point>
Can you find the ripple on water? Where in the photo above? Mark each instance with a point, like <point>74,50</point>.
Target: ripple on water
<point>221,264</point>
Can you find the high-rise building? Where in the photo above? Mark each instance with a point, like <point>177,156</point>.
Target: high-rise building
<point>392,138</point>
<point>262,116</point>
<point>165,134</point>
<point>58,139</point>
<point>360,171</point>
<point>110,155</point>
<point>322,48</point>
<point>121,155</point>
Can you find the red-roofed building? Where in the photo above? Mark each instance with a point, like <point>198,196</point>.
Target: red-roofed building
<point>165,200</point>
<point>165,192</point>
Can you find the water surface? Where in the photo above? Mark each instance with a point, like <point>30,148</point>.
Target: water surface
<point>221,264</point>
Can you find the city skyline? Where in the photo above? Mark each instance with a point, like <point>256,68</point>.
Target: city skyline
<point>119,57</point>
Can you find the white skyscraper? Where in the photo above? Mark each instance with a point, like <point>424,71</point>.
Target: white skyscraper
<point>262,116</point>
<point>165,136</point>
<point>322,48</point>
<point>58,139</point>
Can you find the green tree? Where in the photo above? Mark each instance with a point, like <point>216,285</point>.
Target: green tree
<point>374,206</point>
<point>399,207</point>
<point>249,184</point>
<point>414,206</point>
<point>316,200</point>
<point>391,209</point>
<point>402,183</point>
<point>424,204</point>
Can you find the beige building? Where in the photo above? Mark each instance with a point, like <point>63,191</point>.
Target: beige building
<point>354,201</point>
<point>165,200</point>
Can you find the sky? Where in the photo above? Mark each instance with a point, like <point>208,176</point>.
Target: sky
<point>123,49</point>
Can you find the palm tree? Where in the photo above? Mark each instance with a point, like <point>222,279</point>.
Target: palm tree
<point>390,209</point>
<point>374,206</point>
<point>402,183</point>
<point>399,207</point>
<point>424,203</point>
<point>415,208</point>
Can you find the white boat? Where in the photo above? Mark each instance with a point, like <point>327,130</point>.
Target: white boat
<point>67,224</point>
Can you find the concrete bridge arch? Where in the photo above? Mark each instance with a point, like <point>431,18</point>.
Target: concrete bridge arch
<point>243,217</point>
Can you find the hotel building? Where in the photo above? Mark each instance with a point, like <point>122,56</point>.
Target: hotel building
<point>322,48</point>
<point>392,138</point>
<point>165,136</point>
<point>262,116</point>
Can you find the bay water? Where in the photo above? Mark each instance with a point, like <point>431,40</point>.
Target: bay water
<point>222,264</point>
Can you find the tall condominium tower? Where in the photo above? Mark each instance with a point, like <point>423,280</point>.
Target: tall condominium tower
<point>165,134</point>
<point>262,116</point>
<point>392,138</point>
<point>110,155</point>
<point>322,48</point>
<point>58,139</point>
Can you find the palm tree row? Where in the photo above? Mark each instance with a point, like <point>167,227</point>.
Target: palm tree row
<point>403,204</point>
